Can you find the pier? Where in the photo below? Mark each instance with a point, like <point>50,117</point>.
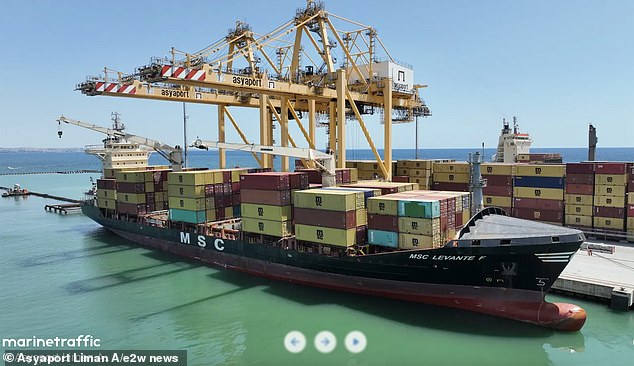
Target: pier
<point>602,271</point>
<point>55,172</point>
<point>64,208</point>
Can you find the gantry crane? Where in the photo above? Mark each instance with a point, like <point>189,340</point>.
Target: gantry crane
<point>290,71</point>
<point>172,154</point>
<point>324,162</point>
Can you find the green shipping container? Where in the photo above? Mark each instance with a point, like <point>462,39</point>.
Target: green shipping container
<point>383,238</point>
<point>421,208</point>
<point>192,217</point>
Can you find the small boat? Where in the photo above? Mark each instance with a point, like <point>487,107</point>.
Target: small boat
<point>16,191</point>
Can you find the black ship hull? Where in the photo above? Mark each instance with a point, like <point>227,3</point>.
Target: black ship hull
<point>504,281</point>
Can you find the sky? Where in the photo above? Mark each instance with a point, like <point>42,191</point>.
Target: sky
<point>556,65</point>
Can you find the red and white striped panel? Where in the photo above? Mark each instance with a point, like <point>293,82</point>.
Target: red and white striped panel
<point>127,89</point>
<point>106,87</point>
<point>183,73</point>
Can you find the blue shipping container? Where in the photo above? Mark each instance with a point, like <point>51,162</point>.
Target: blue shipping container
<point>538,182</point>
<point>383,238</point>
<point>192,217</point>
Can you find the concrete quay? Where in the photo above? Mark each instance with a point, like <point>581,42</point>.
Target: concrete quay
<point>601,270</point>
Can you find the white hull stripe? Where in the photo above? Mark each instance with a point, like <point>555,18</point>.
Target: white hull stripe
<point>549,254</point>
<point>555,260</point>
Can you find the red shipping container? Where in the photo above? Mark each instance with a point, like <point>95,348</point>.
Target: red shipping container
<point>610,168</point>
<point>498,180</point>
<point>537,157</point>
<point>226,177</point>
<point>501,191</point>
<point>615,212</point>
<point>265,197</point>
<point>345,175</point>
<point>400,179</point>
<point>580,178</point>
<point>314,175</point>
<point>508,210</point>
<point>444,223</point>
<point>226,188</point>
<point>362,234</point>
<point>450,186</point>
<point>586,189</point>
<point>539,204</point>
<point>459,222</point>
<point>235,199</point>
<point>334,219</point>
<point>210,190</point>
<point>131,208</point>
<point>579,168</point>
<point>298,180</point>
<point>266,181</point>
<point>630,210</point>
<point>539,215</point>
<point>220,214</point>
<point>106,184</point>
<point>630,186</point>
<point>383,222</point>
<point>235,187</point>
<point>126,187</point>
<point>219,188</point>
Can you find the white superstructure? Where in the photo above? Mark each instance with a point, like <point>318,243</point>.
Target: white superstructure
<point>512,143</point>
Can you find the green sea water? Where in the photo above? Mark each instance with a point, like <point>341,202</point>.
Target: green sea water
<point>62,276</point>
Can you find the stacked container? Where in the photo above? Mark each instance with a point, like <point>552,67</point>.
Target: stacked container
<point>331,216</point>
<point>538,192</point>
<point>385,187</point>
<point>368,169</point>
<point>610,182</point>
<point>107,193</point>
<point>629,225</point>
<point>416,171</point>
<point>141,191</point>
<point>342,175</point>
<point>499,189</point>
<point>451,176</point>
<point>266,201</point>
<point>579,195</point>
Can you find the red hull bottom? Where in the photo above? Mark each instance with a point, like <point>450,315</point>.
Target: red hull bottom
<point>522,305</point>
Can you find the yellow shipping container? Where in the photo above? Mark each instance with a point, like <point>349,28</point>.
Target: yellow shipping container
<point>411,241</point>
<point>228,212</point>
<point>452,177</point>
<point>106,203</point>
<point>191,178</point>
<point>267,227</point>
<point>609,201</point>
<point>497,169</point>
<point>190,204</point>
<point>498,201</point>
<point>361,217</point>
<point>453,167</point>
<point>630,224</point>
<point>578,210</point>
<point>609,223</point>
<point>544,193</point>
<point>383,205</point>
<point>578,220</point>
<point>613,179</point>
<point>136,198</point>
<point>368,175</point>
<point>609,190</point>
<point>466,216</point>
<point>131,176</point>
<point>323,199</point>
<point>630,198</point>
<point>579,199</point>
<point>110,194</point>
<point>266,212</point>
<point>540,170</point>
<point>410,225</point>
<point>179,190</point>
<point>354,175</point>
<point>415,164</point>
<point>326,235</point>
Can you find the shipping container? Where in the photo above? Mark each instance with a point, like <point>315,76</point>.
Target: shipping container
<point>383,238</point>
<point>107,203</point>
<point>420,226</point>
<point>579,199</point>
<point>586,189</point>
<point>497,201</point>
<point>362,217</point>
<point>266,212</point>
<point>578,220</point>
<point>191,178</point>
<point>412,241</point>
<point>540,170</point>
<point>367,192</point>
<point>448,186</point>
<point>498,180</point>
<point>630,198</point>
<point>418,207</point>
<point>580,168</point>
<point>545,193</point>
<point>383,222</point>
<point>538,182</point>
<point>131,208</point>
<point>132,176</point>
<point>539,215</point>
<point>609,190</point>
<point>128,187</point>
<point>578,210</point>
<point>323,218</point>
<point>415,163</point>
<point>326,235</point>
<point>383,205</point>
<point>192,217</point>
<point>452,177</point>
<point>610,168</point>
<point>188,204</point>
<point>136,198</point>
<point>500,169</point>
<point>630,210</point>
<point>451,167</point>
<point>466,216</point>
<point>174,190</point>
<point>612,179</point>
<point>332,200</point>
<point>537,203</point>
<point>266,227</point>
<point>276,181</point>
<point>615,212</point>
<point>580,179</point>
<point>609,201</point>
<point>276,198</point>
<point>107,194</point>
<point>609,223</point>
<point>500,191</point>
<point>106,184</point>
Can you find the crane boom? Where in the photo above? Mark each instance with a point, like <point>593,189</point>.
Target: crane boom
<point>327,166</point>
<point>172,154</point>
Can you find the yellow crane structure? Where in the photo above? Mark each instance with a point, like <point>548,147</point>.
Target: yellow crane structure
<point>306,66</point>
